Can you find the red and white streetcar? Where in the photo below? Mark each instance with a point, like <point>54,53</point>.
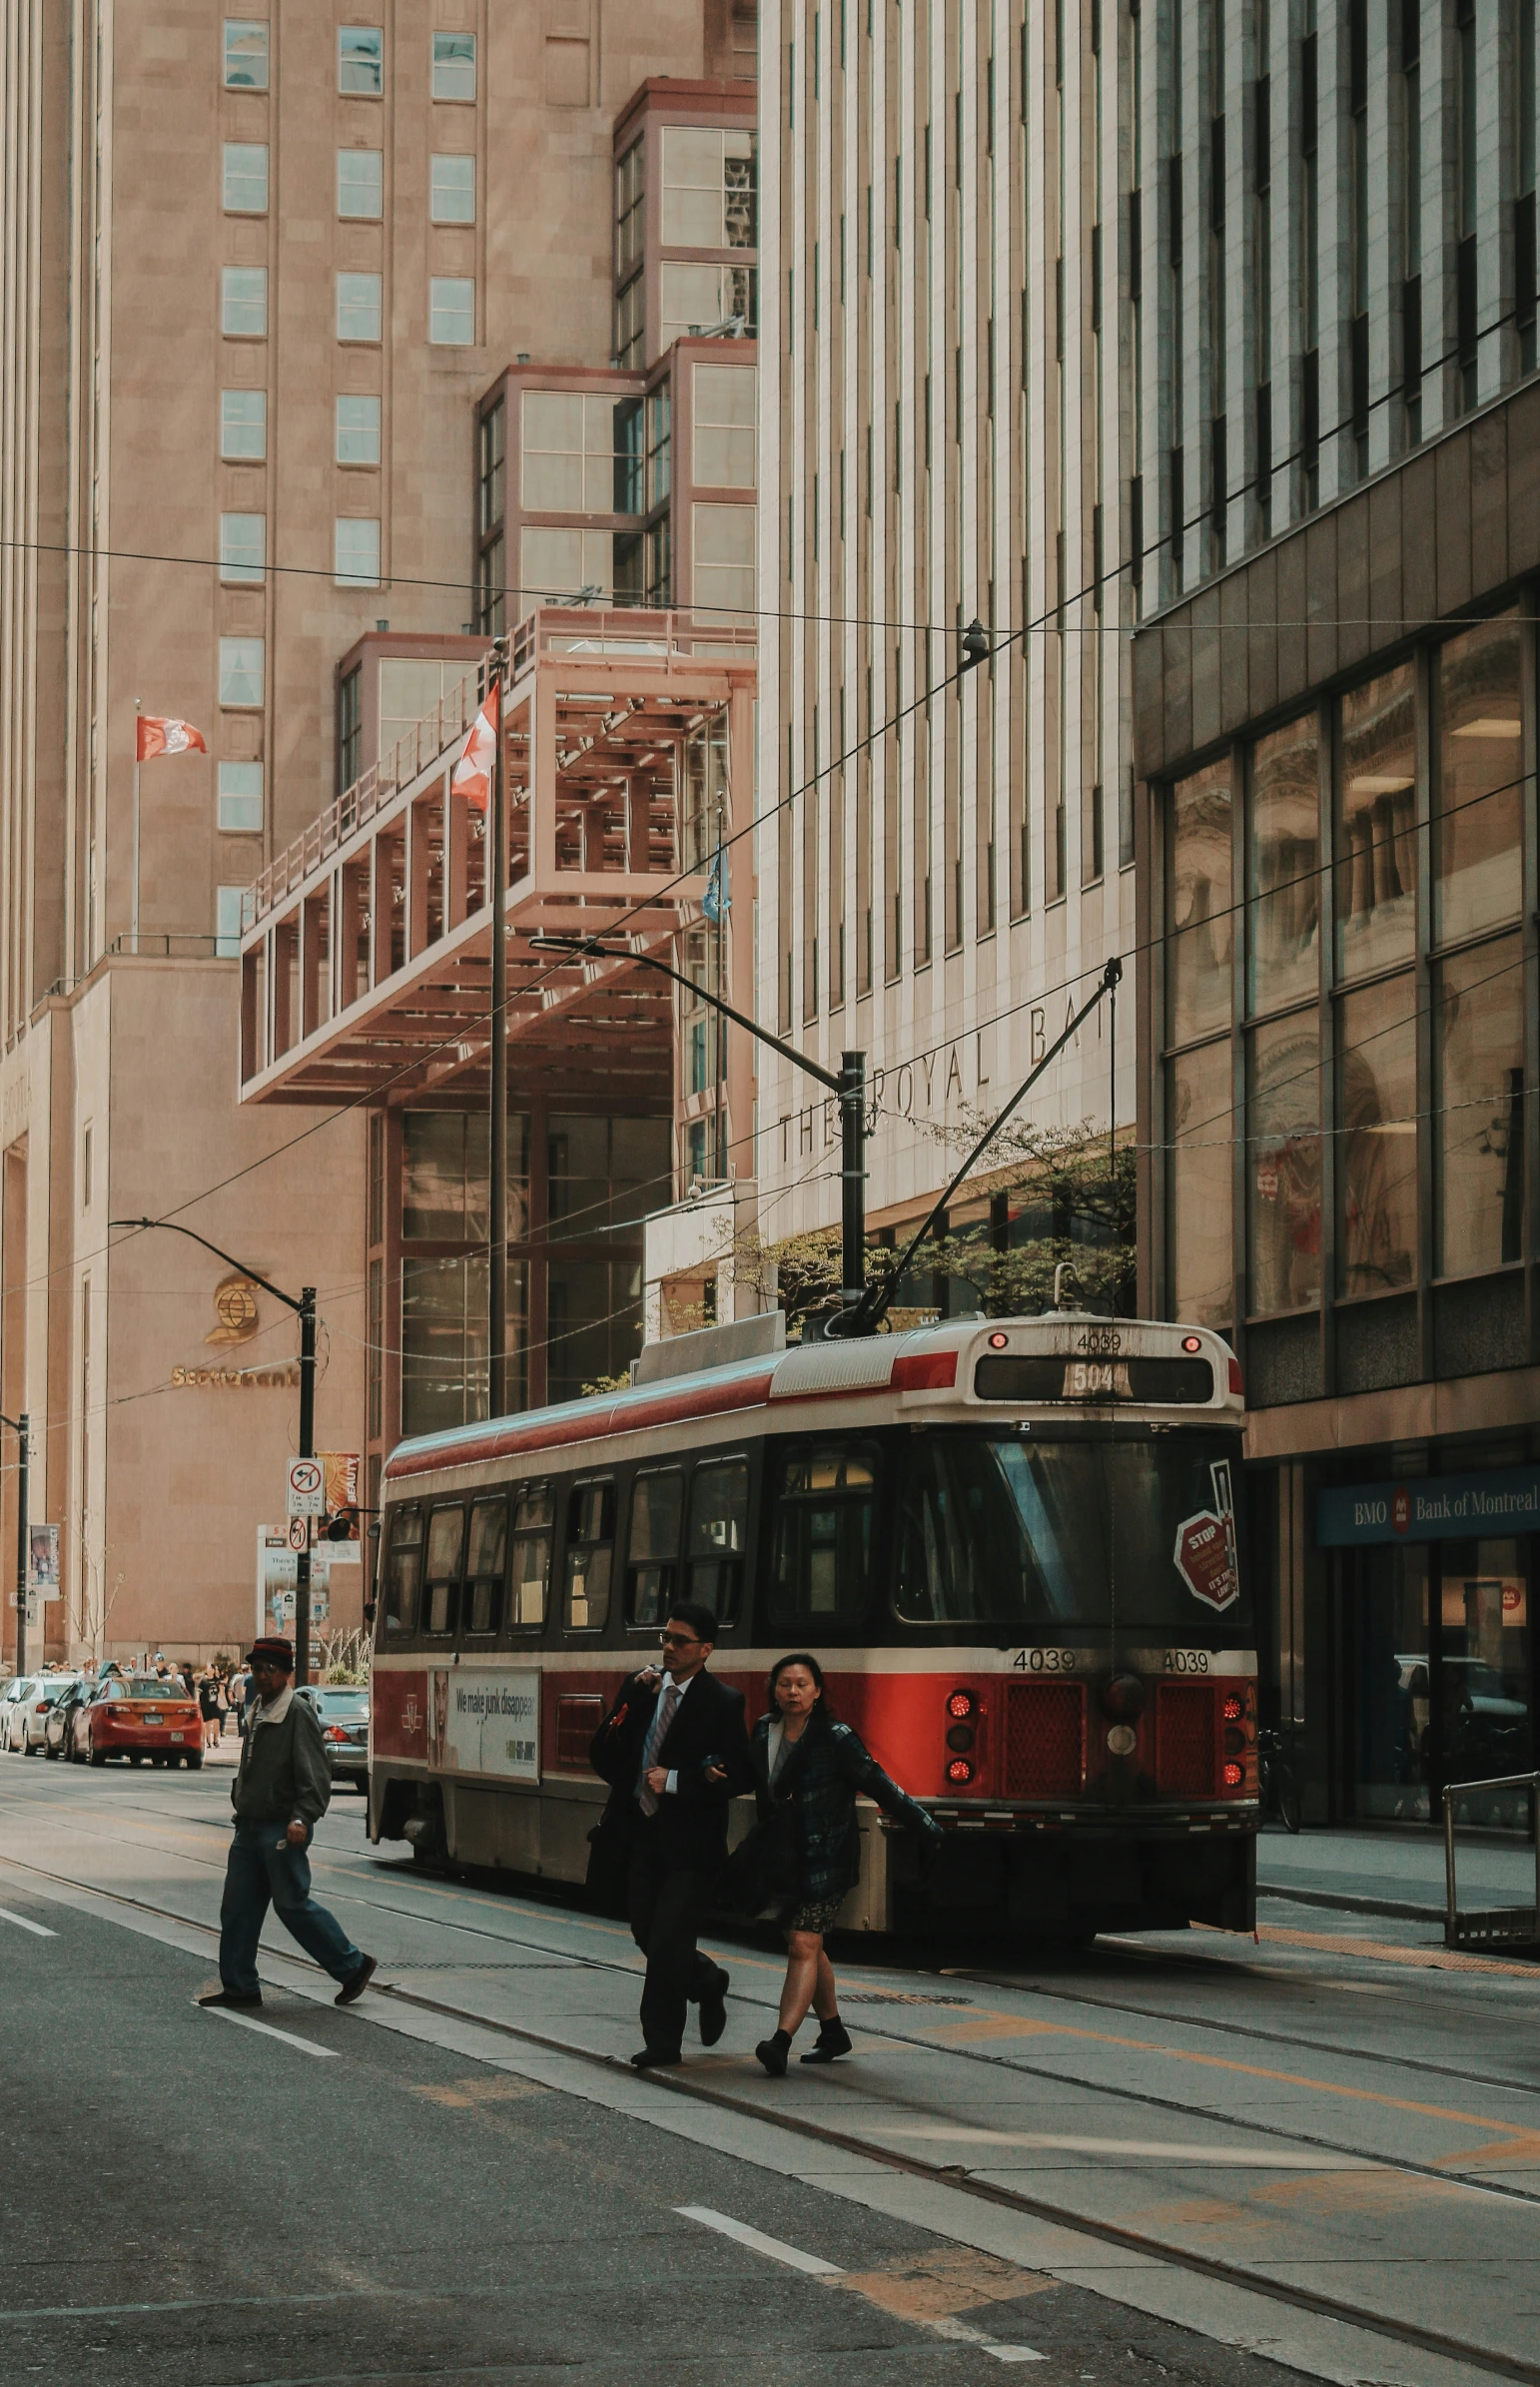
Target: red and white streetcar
<point>1014,1545</point>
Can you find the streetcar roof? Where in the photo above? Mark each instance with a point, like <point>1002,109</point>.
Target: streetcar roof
<point>930,1373</point>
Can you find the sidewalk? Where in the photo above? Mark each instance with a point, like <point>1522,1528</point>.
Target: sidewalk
<point>1390,1871</point>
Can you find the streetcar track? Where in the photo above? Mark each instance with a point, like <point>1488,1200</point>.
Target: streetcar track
<point>1118,2234</point>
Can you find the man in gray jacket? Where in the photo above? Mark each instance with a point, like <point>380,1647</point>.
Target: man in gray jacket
<point>282,1790</point>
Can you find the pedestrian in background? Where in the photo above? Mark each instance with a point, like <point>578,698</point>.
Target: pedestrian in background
<point>282,1789</point>
<point>208,1706</point>
<point>808,1772</point>
<point>672,1750</point>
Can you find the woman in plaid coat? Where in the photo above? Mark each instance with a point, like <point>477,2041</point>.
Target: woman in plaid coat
<point>808,1773</point>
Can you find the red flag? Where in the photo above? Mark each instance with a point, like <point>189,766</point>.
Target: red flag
<point>473,772</point>
<point>166,737</point>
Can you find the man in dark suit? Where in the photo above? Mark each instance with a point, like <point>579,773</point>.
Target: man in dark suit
<point>675,1751</point>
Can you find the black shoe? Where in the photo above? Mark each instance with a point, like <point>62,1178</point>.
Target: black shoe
<point>228,1997</point>
<point>833,2039</point>
<point>357,1983</point>
<point>772,2053</point>
<point>649,2059</point>
<point>713,2009</point>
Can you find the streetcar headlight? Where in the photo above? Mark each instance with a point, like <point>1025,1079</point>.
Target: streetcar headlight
<point>960,1771</point>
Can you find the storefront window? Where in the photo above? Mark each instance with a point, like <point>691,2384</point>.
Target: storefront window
<point>1200,923</point>
<point>1392,1739</point>
<point>1283,1164</point>
<point>1200,1115</point>
<point>1478,1054</point>
<point>1477,879</point>
<point>1484,1673</point>
<point>1376,890</point>
<point>1377,1137</point>
<point>1283,853</point>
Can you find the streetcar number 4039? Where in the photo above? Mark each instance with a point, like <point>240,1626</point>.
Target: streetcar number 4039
<point>1185,1661</point>
<point>1045,1661</point>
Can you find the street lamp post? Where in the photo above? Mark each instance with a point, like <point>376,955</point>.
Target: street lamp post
<point>304,1310</point>
<point>497,1125</point>
<point>18,1427</point>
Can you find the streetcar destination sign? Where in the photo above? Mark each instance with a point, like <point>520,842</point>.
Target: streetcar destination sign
<point>1430,1508</point>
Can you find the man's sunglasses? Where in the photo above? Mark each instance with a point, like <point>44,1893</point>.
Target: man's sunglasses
<point>681,1640</point>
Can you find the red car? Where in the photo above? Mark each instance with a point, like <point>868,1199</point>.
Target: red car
<point>137,1716</point>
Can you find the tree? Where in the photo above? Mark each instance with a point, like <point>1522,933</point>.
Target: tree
<point>1074,1204</point>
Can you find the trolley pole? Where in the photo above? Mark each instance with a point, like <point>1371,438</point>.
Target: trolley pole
<point>497,1124</point>
<point>18,1427</point>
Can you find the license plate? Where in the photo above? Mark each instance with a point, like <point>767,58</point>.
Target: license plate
<point>152,1719</point>
<point>176,1735</point>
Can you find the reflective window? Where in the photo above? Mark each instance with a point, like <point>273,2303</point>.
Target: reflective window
<point>723,563</point>
<point>1284,851</point>
<point>244,301</point>
<point>589,1552</point>
<point>242,546</point>
<point>719,1534</point>
<point>699,298</point>
<point>241,671</point>
<point>653,1551</point>
<point>489,472</point>
<point>1200,923</point>
<point>361,60</point>
<point>630,198</point>
<point>595,1311</point>
<point>571,451</point>
<point>1201,1119</point>
<point>358,431</point>
<point>1478,1060</point>
<point>440,1575</point>
<point>360,299</point>
<point>246,54</point>
<point>485,1565</point>
<point>229,921</point>
<point>1376,853</point>
<point>535,1518</point>
<point>567,563</point>
<point>1283,1164</point>
<point>605,1172</point>
<point>445,1177</point>
<point>1482,747</point>
<point>443,1342</point>
<point>451,310</point>
<point>658,446</point>
<point>1484,1711</point>
<point>632,321</point>
<point>403,1571</point>
<point>724,426</point>
<point>709,199</point>
<point>454,66</point>
<point>823,1533</point>
<point>355,552</point>
<point>243,426</point>
<point>245,178</point>
<point>452,190</point>
<point>1390,1676</point>
<point>240,798</point>
<point>1377,1141</point>
<point>360,183</point>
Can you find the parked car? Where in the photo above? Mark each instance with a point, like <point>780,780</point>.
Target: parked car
<point>57,1721</point>
<point>344,1714</point>
<point>16,1690</point>
<point>138,1717</point>
<point>28,1714</point>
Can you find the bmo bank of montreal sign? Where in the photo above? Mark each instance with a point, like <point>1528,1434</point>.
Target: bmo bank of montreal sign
<point>1430,1508</point>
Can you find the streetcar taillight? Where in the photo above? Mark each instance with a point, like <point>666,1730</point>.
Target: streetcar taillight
<point>960,1771</point>
<point>1233,1708</point>
<point>1233,1776</point>
<point>961,1704</point>
<point>1237,1382</point>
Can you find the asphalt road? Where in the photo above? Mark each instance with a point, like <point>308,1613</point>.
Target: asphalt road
<point>419,2188</point>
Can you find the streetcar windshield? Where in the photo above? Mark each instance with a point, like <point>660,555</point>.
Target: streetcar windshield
<point>1000,1529</point>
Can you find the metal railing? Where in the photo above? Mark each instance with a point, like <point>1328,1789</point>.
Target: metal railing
<point>1480,1927</point>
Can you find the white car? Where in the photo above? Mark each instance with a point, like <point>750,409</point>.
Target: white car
<point>10,1699</point>
<point>26,1715</point>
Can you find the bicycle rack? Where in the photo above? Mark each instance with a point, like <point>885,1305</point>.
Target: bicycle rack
<point>1507,1927</point>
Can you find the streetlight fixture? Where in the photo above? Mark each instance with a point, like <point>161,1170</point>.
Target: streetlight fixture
<point>18,1427</point>
<point>304,1310</point>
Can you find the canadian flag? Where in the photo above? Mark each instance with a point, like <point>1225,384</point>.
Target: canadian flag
<point>166,737</point>
<point>473,772</point>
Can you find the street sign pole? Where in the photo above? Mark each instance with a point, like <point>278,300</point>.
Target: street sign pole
<point>302,1588</point>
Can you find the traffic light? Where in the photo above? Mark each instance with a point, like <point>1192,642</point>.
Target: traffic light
<point>344,1527</point>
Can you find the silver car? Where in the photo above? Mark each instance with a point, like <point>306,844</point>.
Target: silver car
<point>344,1714</point>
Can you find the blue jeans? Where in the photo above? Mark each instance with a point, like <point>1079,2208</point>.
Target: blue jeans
<point>264,1870</point>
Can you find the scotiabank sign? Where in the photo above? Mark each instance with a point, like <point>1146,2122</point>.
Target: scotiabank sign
<point>1430,1508</point>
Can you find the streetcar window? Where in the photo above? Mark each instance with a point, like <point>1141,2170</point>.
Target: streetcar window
<point>590,1549</point>
<point>440,1587</point>
<point>823,1533</point>
<point>403,1571</point>
<point>534,1518</point>
<point>719,1534</point>
<point>652,1557</point>
<point>484,1565</point>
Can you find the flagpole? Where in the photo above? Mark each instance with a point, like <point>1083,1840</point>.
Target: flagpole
<point>135,913</point>
<point>498,1190</point>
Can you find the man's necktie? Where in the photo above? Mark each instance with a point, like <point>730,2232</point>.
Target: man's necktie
<point>663,1716</point>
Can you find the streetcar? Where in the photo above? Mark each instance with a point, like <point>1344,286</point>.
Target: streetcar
<point>1014,1545</point>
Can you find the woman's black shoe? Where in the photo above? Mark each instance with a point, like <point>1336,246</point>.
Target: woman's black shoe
<point>772,2053</point>
<point>833,2039</point>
